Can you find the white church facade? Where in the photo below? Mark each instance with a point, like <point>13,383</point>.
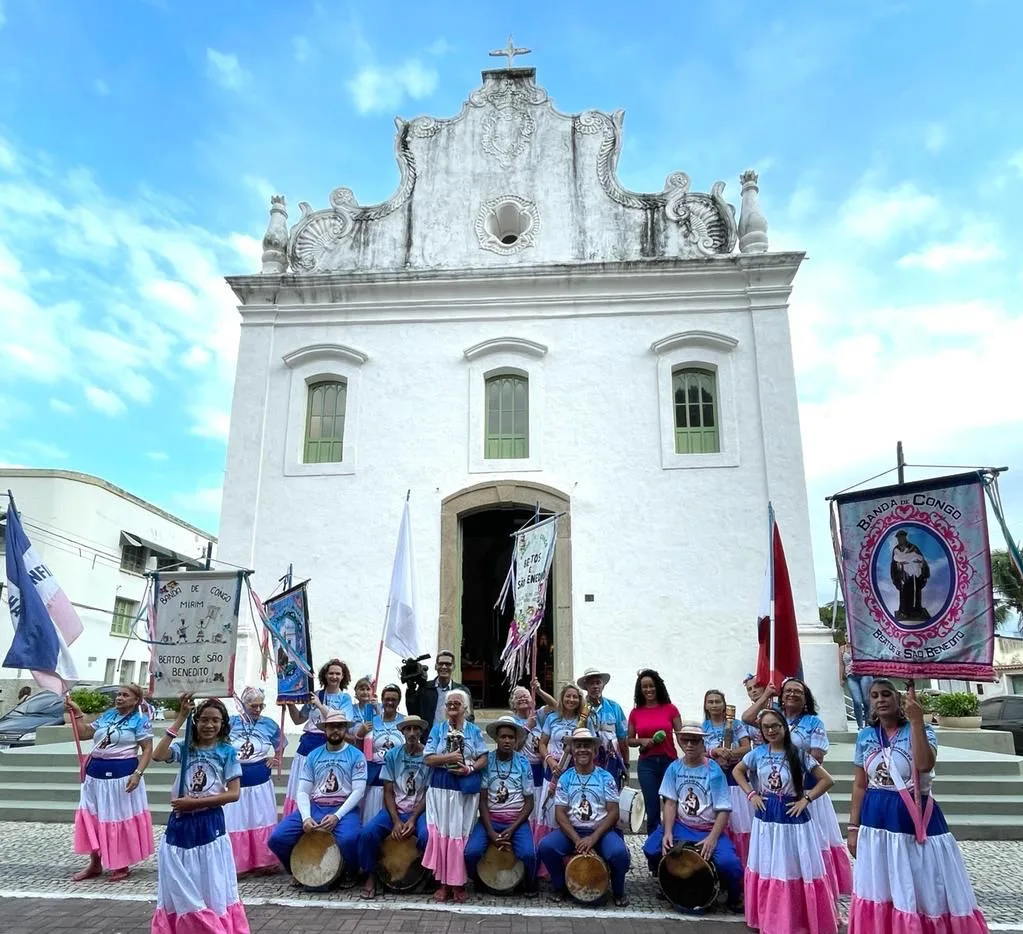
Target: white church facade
<point>511,329</point>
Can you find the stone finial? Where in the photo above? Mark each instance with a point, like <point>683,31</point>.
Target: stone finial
<point>275,241</point>
<point>752,224</point>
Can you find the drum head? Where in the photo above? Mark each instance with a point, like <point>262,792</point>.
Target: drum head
<point>688,881</point>
<point>400,865</point>
<point>587,879</point>
<point>316,860</point>
<point>500,870</point>
<point>632,811</point>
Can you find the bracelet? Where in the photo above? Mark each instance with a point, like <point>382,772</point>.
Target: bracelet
<point>138,773</point>
<point>171,732</point>
<point>854,828</point>
<point>749,797</point>
<point>78,716</point>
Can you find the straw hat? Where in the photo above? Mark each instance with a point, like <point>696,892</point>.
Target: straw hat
<point>507,720</point>
<point>334,719</point>
<point>592,673</point>
<point>413,721</point>
<point>691,728</point>
<point>583,735</point>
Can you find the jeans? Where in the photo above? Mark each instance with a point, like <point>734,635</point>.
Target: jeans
<point>378,829</point>
<point>289,831</point>
<point>521,843</point>
<point>611,847</point>
<point>859,691</point>
<point>725,859</point>
<point>651,771</point>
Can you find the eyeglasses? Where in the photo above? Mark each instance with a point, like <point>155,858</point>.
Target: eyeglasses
<point>445,665</point>
<point>770,727</point>
<point>690,740</point>
<point>453,703</point>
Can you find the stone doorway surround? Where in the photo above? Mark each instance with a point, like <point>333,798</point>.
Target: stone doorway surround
<point>497,493</point>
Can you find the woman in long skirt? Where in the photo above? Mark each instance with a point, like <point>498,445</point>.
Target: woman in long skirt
<point>810,735</point>
<point>258,742</point>
<point>787,890</point>
<point>727,741</point>
<point>334,677</point>
<point>112,824</point>
<point>196,883</point>
<point>456,752</point>
<point>523,709</point>
<point>380,735</point>
<point>909,874</point>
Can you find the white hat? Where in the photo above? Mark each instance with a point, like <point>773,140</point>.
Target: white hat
<point>583,735</point>
<point>507,720</point>
<point>407,722</point>
<point>334,719</point>
<point>592,673</point>
<point>691,728</point>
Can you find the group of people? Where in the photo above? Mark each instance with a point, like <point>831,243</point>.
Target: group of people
<point>749,792</point>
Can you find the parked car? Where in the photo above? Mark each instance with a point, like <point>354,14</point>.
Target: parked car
<point>1004,713</point>
<point>18,726</point>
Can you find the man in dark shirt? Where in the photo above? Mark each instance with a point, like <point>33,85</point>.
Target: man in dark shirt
<point>427,700</point>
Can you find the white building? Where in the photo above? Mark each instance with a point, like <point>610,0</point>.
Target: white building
<point>97,540</point>
<point>512,328</point>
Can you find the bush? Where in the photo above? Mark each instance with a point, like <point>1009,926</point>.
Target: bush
<point>90,701</point>
<point>168,703</point>
<point>928,702</point>
<point>957,704</point>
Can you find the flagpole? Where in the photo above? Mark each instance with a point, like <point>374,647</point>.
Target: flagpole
<point>770,565</point>
<point>383,630</point>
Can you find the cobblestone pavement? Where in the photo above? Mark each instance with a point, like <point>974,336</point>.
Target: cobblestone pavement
<point>37,860</point>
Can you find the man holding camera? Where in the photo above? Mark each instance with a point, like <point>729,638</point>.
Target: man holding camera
<point>426,698</point>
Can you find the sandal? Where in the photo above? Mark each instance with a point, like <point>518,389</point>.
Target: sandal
<point>459,894</point>
<point>621,901</point>
<point>441,895</point>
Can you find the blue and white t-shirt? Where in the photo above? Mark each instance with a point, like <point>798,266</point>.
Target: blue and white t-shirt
<point>699,790</point>
<point>610,722</point>
<point>386,736</point>
<point>716,734</point>
<point>769,773</point>
<point>254,740</point>
<point>531,747</point>
<point>586,796</point>
<point>207,770</point>
<point>334,774</point>
<point>808,732</point>
<point>879,765</point>
<point>117,735</point>
<point>340,701</point>
<point>469,741</point>
<point>507,785</point>
<point>558,731</point>
<point>409,776</point>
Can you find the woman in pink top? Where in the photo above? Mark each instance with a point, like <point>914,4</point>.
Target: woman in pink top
<point>652,725</point>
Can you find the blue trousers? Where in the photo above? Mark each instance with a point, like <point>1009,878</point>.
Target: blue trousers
<point>379,829</point>
<point>725,859</point>
<point>289,831</point>
<point>556,846</point>
<point>651,771</point>
<point>521,843</point>
<point>859,691</point>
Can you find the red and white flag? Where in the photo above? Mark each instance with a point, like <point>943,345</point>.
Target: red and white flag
<point>778,657</point>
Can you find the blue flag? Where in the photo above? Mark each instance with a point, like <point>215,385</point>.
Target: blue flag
<point>45,622</point>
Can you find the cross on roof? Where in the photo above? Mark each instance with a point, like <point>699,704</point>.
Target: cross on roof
<point>510,52</point>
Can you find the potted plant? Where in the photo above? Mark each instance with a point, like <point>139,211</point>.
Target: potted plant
<point>958,710</point>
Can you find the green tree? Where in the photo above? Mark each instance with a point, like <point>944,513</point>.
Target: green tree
<point>1008,588</point>
<point>838,629</point>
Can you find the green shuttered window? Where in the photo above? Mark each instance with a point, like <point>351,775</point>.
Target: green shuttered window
<point>696,417</point>
<point>325,423</point>
<point>507,417</point>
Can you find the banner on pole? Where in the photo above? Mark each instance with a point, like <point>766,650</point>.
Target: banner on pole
<point>915,566</point>
<point>194,628</point>
<point>288,623</point>
<point>529,574</point>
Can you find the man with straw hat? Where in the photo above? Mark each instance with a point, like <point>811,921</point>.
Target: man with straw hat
<point>612,726</point>
<point>586,807</point>
<point>405,778</point>
<point>506,801</point>
<point>330,789</point>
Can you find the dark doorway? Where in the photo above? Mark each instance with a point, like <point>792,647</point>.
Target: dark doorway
<point>486,555</point>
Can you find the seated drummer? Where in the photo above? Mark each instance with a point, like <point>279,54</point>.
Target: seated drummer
<point>586,809</point>
<point>696,810</point>
<point>506,802</point>
<point>405,777</point>
<point>330,789</point>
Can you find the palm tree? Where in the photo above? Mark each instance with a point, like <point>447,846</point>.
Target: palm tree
<point>1008,588</point>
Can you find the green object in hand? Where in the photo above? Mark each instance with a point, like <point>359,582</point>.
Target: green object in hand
<point>659,736</point>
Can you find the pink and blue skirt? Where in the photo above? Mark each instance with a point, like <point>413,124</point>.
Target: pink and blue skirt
<point>904,887</point>
<point>251,819</point>
<point>196,883</point>
<point>110,820</point>
<point>832,843</point>
<point>787,890</point>
<point>452,802</point>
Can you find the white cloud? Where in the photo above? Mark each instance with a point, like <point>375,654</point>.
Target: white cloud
<point>262,188</point>
<point>941,257</point>
<point>43,453</point>
<point>1016,161</point>
<point>201,505</point>
<point>935,137</point>
<point>8,161</point>
<point>196,357</point>
<point>439,47</point>
<point>375,88</point>
<point>157,455</point>
<point>61,407</point>
<point>877,216</point>
<point>225,69</point>
<point>101,87</point>
<point>105,401</point>
<point>210,422</point>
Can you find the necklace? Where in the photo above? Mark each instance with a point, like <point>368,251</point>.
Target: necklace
<point>497,768</point>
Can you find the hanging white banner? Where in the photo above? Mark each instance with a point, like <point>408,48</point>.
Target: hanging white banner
<point>194,628</point>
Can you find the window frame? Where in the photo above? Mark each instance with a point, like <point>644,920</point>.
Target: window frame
<point>704,350</point>
<point>114,631</point>
<point>488,380</point>
<point>308,365</point>
<point>513,356</point>
<point>699,372</point>
<point>311,388</point>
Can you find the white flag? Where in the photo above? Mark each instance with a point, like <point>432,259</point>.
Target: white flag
<point>401,632</point>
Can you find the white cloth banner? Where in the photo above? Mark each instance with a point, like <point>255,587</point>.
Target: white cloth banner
<point>401,632</point>
<point>194,628</point>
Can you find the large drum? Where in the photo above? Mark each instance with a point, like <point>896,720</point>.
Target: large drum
<point>631,811</point>
<point>500,871</point>
<point>688,881</point>
<point>587,879</point>
<point>400,865</point>
<point>316,861</point>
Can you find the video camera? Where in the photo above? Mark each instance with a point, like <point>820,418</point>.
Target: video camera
<point>413,672</point>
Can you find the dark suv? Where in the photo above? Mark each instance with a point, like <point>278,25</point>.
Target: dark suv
<point>1004,713</point>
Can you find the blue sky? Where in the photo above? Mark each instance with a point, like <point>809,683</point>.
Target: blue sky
<point>140,141</point>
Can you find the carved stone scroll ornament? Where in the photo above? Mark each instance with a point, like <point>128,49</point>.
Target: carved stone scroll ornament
<point>508,127</point>
<point>507,224</point>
